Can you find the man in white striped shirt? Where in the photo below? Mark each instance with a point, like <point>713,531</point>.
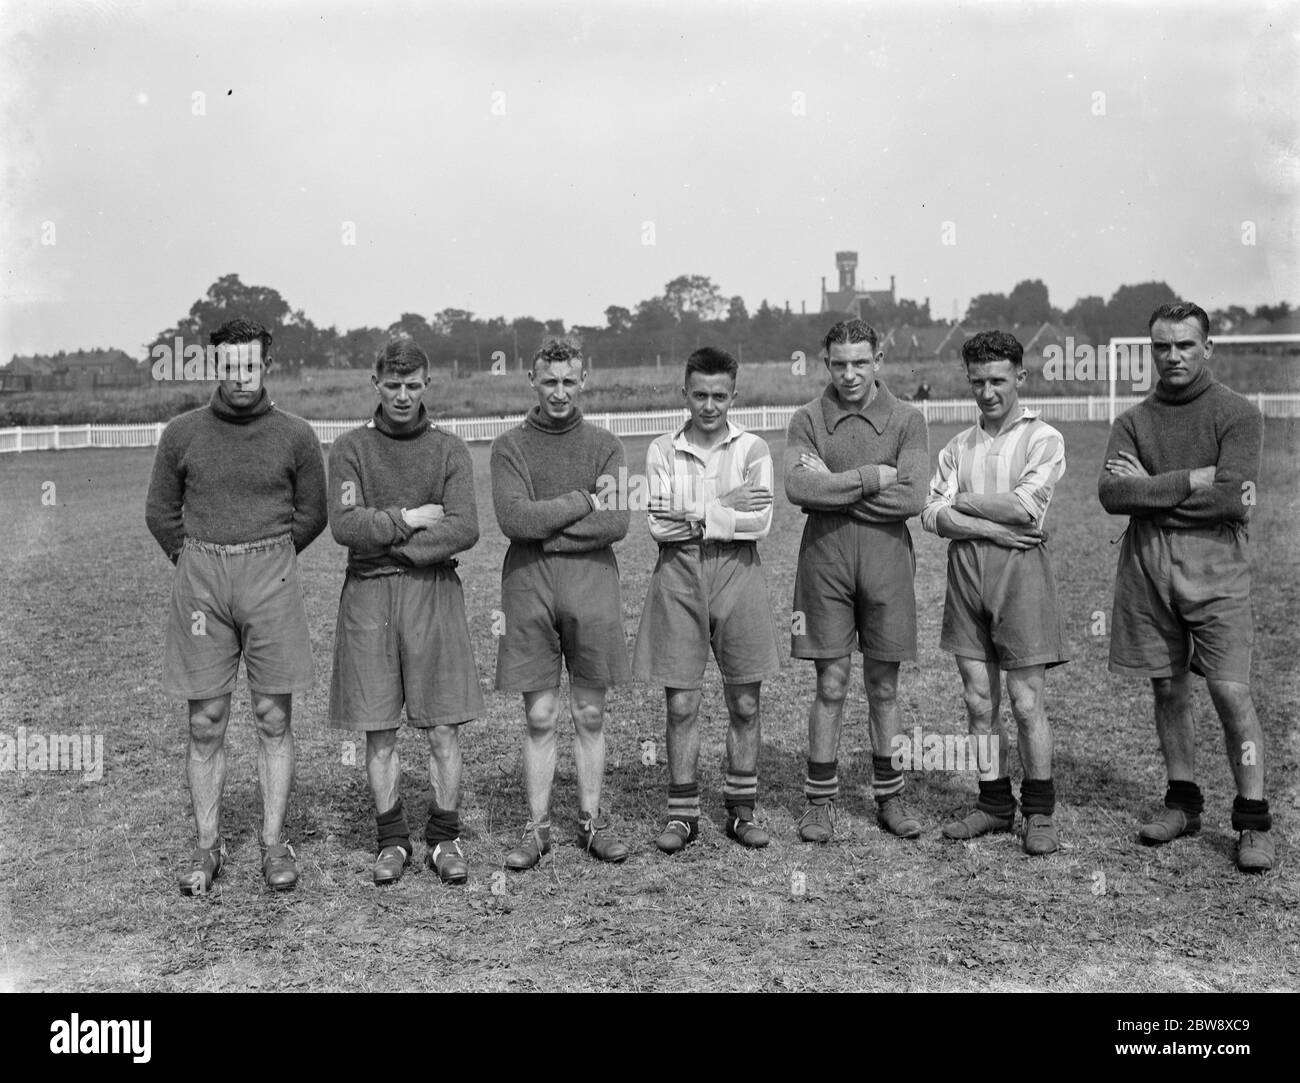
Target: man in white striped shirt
<point>990,496</point>
<point>710,501</point>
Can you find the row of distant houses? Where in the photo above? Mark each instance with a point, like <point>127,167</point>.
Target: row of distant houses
<point>83,370</point>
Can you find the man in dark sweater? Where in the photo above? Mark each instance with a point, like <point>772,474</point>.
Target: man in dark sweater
<point>857,461</point>
<point>238,490</point>
<point>1183,465</point>
<point>401,498</point>
<point>560,591</point>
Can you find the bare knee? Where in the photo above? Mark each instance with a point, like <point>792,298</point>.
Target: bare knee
<point>381,745</point>
<point>271,714</point>
<point>881,682</point>
<point>541,716</point>
<point>1171,693</point>
<point>978,700</point>
<point>444,741</point>
<point>682,706</point>
<point>1232,700</point>
<point>208,722</point>
<point>833,683</point>
<point>742,704</point>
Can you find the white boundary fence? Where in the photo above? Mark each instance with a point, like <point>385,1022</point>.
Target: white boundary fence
<point>628,423</point>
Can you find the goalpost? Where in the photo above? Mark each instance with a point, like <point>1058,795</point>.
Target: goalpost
<point>1128,342</point>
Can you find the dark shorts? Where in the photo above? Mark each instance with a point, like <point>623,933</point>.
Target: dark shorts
<point>403,639</point>
<point>560,609</point>
<point>1182,601</point>
<point>853,589</point>
<point>702,595</point>
<point>233,600</point>
<point>1001,606</point>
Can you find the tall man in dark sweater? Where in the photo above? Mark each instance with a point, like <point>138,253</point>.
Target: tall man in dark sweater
<point>560,591</point>
<point>401,498</point>
<point>857,461</point>
<point>238,490</point>
<point>1183,465</point>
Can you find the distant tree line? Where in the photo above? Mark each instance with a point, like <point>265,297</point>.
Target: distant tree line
<point>691,312</point>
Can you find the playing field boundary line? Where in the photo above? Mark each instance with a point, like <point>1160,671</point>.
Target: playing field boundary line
<point>1275,404</point>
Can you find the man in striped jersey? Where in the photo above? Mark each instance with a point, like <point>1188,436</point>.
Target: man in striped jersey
<point>990,496</point>
<point>711,500</point>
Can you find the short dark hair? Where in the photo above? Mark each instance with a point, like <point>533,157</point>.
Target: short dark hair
<point>400,357</point>
<point>849,332</point>
<point>239,330</point>
<point>557,351</point>
<point>711,361</point>
<point>989,346</point>
<point>1177,312</point>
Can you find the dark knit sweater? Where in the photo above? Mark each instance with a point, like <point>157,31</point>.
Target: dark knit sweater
<point>376,471</point>
<point>228,476</point>
<point>541,475</point>
<point>854,444</point>
<point>1171,433</point>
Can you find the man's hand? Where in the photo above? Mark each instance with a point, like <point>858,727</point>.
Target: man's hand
<point>1014,537</point>
<point>748,497</point>
<point>1126,465</point>
<point>665,507</point>
<point>813,462</point>
<point>1203,477</point>
<point>423,516</point>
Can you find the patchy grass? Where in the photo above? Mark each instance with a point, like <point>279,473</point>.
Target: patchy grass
<point>88,868</point>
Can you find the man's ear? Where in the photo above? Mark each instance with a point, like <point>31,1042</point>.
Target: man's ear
<point>1022,374</point>
<point>374,380</point>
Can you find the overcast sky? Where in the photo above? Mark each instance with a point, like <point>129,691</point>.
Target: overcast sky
<point>513,159</point>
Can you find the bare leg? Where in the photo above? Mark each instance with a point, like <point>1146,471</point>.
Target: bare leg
<point>587,705</point>
<point>383,769</point>
<point>445,762</point>
<point>683,708</point>
<point>541,710</point>
<point>1174,726</point>
<point>1243,735</point>
<point>825,716</point>
<point>273,715</point>
<point>206,764</point>
<point>981,685</point>
<point>1025,689</point>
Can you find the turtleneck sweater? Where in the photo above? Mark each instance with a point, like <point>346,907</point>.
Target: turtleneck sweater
<point>378,469</point>
<point>228,475</point>
<point>1174,431</point>
<point>542,473</point>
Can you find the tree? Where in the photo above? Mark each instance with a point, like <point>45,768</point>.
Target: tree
<point>1028,302</point>
<point>736,311</point>
<point>226,299</point>
<point>1131,306</point>
<point>1273,312</point>
<point>695,295</point>
<point>1089,316</point>
<point>618,318</point>
<point>989,310</point>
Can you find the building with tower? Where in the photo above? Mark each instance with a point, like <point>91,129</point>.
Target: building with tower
<point>848,298</point>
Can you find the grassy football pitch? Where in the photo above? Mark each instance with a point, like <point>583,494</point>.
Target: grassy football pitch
<point>88,867</point>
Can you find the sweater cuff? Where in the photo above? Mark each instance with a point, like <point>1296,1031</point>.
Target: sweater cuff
<point>582,501</point>
<point>870,479</point>
<point>404,529</point>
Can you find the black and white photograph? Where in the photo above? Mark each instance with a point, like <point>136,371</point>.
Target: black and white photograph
<point>651,497</point>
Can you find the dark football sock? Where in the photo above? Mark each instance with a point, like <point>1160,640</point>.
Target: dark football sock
<point>1185,796</point>
<point>1037,797</point>
<point>1248,815</point>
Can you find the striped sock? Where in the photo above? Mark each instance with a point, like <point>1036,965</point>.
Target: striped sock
<point>684,802</point>
<point>739,792</point>
<point>886,779</point>
<point>822,784</point>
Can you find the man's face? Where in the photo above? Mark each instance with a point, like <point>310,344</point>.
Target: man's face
<point>853,367</point>
<point>558,385</point>
<point>241,366</point>
<point>399,395</point>
<point>1179,351</point>
<point>996,388</point>
<point>708,398</point>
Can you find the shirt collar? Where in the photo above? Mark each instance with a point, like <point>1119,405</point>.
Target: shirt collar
<point>876,412</point>
<point>1026,414</point>
<point>681,443</point>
